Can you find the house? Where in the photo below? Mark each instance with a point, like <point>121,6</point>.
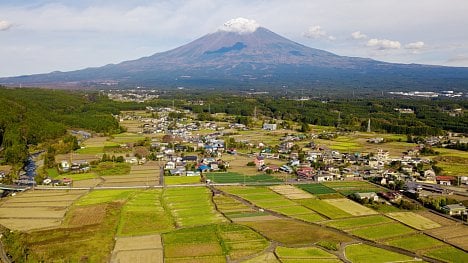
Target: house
<point>369,196</point>
<point>392,197</point>
<point>190,158</point>
<point>259,161</point>
<point>305,173</point>
<point>65,166</point>
<point>131,160</point>
<point>170,166</point>
<point>269,126</point>
<point>455,209</point>
<point>178,171</point>
<point>445,180</point>
<point>324,176</point>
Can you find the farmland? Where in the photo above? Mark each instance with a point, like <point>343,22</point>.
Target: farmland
<point>358,222</point>
<point>414,220</point>
<point>138,249</point>
<point>324,208</point>
<point>350,207</point>
<point>191,206</point>
<point>147,174</point>
<point>316,189</point>
<point>378,232</point>
<point>171,180</point>
<point>239,178</point>
<point>347,188</point>
<point>415,242</point>
<point>310,254</point>
<point>361,253</point>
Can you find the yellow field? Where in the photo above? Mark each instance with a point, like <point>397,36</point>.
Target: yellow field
<point>350,207</point>
<point>414,220</point>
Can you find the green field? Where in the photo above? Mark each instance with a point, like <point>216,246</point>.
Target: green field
<point>311,254</point>
<point>91,150</point>
<point>268,199</point>
<point>233,208</point>
<point>111,168</point>
<point>144,214</point>
<point>78,177</point>
<point>448,254</point>
<point>359,222</point>
<point>414,220</point>
<point>171,180</point>
<point>382,231</point>
<point>239,178</point>
<point>212,242</point>
<point>350,187</point>
<point>105,196</point>
<point>191,206</point>
<point>415,242</point>
<point>316,189</point>
<point>361,253</point>
<point>324,208</point>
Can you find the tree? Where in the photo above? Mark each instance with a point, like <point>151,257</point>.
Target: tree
<point>305,127</point>
<point>49,158</point>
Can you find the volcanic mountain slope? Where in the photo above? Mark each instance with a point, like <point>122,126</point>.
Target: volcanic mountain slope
<point>249,57</point>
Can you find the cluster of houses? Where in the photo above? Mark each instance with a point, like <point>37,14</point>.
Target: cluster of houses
<point>192,165</point>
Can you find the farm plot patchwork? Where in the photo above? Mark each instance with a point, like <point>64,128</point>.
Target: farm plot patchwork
<point>212,243</point>
<point>290,232</point>
<point>138,249</point>
<point>240,178</point>
<point>291,192</point>
<point>142,175</point>
<point>191,206</point>
<point>324,208</point>
<point>237,211</point>
<point>378,232</point>
<point>455,234</point>
<point>414,220</point>
<point>265,198</point>
<point>415,242</point>
<point>350,223</point>
<point>448,254</point>
<point>316,189</point>
<point>144,214</point>
<point>350,207</point>
<point>74,243</point>
<point>305,254</point>
<point>350,187</point>
<point>36,209</point>
<point>361,253</point>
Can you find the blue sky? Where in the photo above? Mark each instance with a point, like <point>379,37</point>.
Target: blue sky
<point>39,36</point>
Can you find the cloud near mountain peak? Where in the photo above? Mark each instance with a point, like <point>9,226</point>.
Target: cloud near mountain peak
<point>240,25</point>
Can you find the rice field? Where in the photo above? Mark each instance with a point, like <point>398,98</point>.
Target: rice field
<point>361,253</point>
<point>357,222</point>
<point>415,242</point>
<point>324,208</point>
<point>316,189</point>
<point>138,249</point>
<point>241,178</point>
<point>378,232</point>
<point>291,192</point>
<point>303,254</point>
<point>414,220</point>
<point>350,207</point>
<point>350,187</point>
<point>191,206</point>
<point>449,254</point>
<point>172,180</point>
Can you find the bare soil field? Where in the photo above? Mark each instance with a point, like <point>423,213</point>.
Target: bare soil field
<point>460,241</point>
<point>138,249</point>
<point>77,157</point>
<point>32,212</point>
<point>87,183</point>
<point>27,224</point>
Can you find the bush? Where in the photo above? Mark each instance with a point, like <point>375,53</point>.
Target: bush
<point>250,164</point>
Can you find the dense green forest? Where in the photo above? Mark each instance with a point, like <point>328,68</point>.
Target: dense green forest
<point>32,116</point>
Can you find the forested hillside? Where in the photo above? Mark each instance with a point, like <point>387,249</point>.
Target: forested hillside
<point>31,116</point>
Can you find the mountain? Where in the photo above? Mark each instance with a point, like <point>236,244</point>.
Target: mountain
<point>243,55</point>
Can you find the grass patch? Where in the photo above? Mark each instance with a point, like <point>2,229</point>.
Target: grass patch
<point>381,232</point>
<point>52,172</point>
<point>105,196</point>
<point>240,178</point>
<point>414,220</point>
<point>449,254</point>
<point>191,206</point>
<point>171,180</point>
<point>144,214</point>
<point>415,242</point>
<point>79,177</point>
<point>316,189</point>
<point>324,208</point>
<point>111,168</point>
<point>359,222</point>
<point>361,253</point>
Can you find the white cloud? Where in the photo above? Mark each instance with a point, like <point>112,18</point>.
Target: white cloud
<point>240,25</point>
<point>383,44</point>
<point>5,25</point>
<point>358,35</point>
<point>415,45</point>
<point>317,32</point>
